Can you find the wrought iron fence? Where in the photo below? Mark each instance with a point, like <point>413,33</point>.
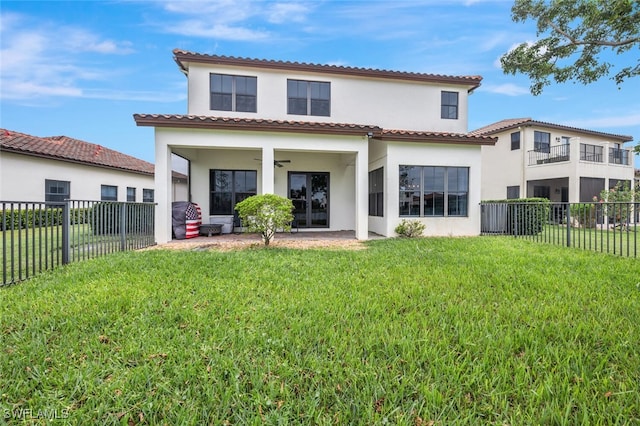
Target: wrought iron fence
<point>39,236</point>
<point>607,227</point>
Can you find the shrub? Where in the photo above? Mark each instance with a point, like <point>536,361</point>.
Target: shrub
<point>586,214</point>
<point>265,214</point>
<point>410,228</point>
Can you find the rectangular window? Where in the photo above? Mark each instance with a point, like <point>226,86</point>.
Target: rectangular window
<point>376,192</point>
<point>56,190</point>
<point>147,195</point>
<point>434,191</point>
<point>308,98</point>
<point>229,187</point>
<point>233,93</point>
<point>513,192</point>
<point>591,153</point>
<point>541,141</point>
<point>108,193</point>
<point>515,141</point>
<point>449,105</point>
<point>131,194</point>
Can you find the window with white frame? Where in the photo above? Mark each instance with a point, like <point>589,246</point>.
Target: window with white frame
<point>56,190</point>
<point>233,92</point>
<point>434,191</point>
<point>309,98</point>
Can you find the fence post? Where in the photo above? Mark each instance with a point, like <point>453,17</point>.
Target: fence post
<point>123,226</point>
<point>66,226</point>
<point>568,224</point>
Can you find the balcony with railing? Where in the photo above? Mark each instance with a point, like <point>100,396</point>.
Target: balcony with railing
<point>592,153</point>
<point>550,154</point>
<point>619,156</point>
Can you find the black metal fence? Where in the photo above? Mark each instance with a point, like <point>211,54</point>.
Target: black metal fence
<point>607,227</point>
<point>39,236</point>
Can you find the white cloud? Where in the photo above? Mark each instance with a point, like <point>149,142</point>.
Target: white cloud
<point>612,121</point>
<point>508,89</point>
<point>287,12</point>
<point>42,59</point>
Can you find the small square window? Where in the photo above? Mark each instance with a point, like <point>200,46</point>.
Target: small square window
<point>108,193</point>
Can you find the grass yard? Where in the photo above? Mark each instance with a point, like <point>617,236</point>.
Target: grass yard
<point>418,332</point>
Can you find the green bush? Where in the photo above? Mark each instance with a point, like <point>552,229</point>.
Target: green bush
<point>526,216</point>
<point>265,214</point>
<point>410,228</point>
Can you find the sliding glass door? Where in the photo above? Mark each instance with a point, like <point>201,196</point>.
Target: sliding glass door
<point>309,192</point>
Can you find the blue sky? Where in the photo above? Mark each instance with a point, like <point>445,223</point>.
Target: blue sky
<point>83,68</point>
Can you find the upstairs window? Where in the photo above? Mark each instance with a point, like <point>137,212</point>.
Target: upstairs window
<point>147,195</point>
<point>541,141</point>
<point>131,194</point>
<point>233,93</point>
<point>56,190</point>
<point>108,193</point>
<point>449,105</point>
<point>515,141</point>
<point>308,98</point>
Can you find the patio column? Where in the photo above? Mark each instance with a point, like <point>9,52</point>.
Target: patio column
<point>162,193</point>
<point>362,194</point>
<point>267,170</point>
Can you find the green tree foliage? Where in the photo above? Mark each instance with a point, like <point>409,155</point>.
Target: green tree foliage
<point>265,214</point>
<point>571,36</point>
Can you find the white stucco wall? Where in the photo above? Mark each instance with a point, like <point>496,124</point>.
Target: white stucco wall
<point>390,104</point>
<point>422,154</point>
<point>22,178</point>
<point>233,150</point>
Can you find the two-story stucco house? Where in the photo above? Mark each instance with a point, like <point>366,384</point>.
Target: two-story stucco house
<point>561,163</point>
<point>353,148</point>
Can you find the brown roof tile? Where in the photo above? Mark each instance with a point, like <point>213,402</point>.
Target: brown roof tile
<point>512,123</point>
<point>182,57</point>
<point>437,137</point>
<point>255,124</point>
<point>264,125</point>
<point>74,150</point>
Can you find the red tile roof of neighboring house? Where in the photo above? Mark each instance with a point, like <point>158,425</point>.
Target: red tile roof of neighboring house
<point>264,125</point>
<point>182,57</point>
<point>512,123</point>
<point>68,149</point>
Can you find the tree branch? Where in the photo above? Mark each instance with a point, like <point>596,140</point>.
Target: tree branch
<point>576,42</point>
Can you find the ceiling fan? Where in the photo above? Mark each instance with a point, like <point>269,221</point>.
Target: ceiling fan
<point>278,163</point>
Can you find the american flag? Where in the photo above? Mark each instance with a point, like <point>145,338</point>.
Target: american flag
<point>193,220</point>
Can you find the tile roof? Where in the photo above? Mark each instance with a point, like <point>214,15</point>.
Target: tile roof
<point>265,125</point>
<point>256,124</point>
<point>512,123</point>
<point>74,150</point>
<point>437,137</point>
<point>182,57</point>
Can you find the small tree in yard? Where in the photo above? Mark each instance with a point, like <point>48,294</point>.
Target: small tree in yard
<point>265,214</point>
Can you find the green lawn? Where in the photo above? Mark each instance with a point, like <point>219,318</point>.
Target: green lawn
<point>488,330</point>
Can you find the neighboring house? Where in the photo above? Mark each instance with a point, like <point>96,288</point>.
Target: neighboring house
<point>561,163</point>
<point>58,168</point>
<point>353,148</point>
